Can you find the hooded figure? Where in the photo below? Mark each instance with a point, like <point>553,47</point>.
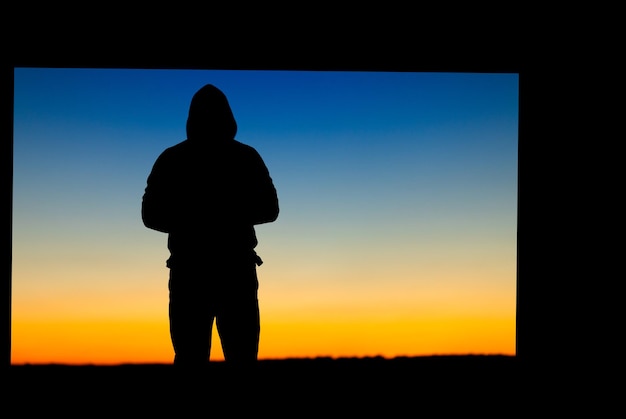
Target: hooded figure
<point>207,193</point>
<point>210,117</point>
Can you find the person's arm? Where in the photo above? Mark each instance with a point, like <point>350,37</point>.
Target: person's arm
<point>265,206</point>
<point>156,203</point>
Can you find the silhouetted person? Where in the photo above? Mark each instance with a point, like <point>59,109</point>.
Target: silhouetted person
<point>207,193</point>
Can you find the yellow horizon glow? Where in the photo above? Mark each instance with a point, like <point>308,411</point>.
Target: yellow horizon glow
<point>109,309</point>
<point>123,327</point>
<point>127,342</point>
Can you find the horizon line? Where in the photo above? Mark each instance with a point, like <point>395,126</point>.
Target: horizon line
<point>285,359</point>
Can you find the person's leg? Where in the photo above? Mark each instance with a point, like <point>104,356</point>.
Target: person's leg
<point>238,325</point>
<point>238,319</point>
<point>191,320</point>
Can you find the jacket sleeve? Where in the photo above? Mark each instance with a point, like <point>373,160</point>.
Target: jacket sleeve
<point>156,205</point>
<point>265,199</point>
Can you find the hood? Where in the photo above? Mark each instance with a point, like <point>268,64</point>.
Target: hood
<point>210,117</point>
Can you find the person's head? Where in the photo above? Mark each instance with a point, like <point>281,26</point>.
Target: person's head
<point>210,116</point>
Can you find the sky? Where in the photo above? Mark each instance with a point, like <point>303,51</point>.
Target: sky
<point>397,233</point>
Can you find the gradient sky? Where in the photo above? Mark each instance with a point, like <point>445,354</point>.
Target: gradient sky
<point>398,223</point>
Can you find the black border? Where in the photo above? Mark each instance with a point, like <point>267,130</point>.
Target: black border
<point>323,45</point>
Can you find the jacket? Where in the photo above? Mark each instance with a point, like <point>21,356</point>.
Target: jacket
<point>210,190</point>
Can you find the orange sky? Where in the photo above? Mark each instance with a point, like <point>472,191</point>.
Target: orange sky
<point>104,324</point>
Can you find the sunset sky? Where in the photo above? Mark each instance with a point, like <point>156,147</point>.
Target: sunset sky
<point>397,230</point>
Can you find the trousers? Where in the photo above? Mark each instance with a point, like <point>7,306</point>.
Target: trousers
<point>225,293</point>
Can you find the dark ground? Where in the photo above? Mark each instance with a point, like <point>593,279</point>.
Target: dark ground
<point>443,385</point>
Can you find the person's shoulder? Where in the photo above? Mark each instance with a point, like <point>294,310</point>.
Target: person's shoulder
<point>175,148</point>
<point>245,148</point>
<point>179,146</point>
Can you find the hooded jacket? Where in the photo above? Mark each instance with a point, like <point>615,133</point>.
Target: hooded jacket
<point>210,190</point>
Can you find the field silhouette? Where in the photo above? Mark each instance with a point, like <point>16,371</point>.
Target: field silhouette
<point>407,386</point>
